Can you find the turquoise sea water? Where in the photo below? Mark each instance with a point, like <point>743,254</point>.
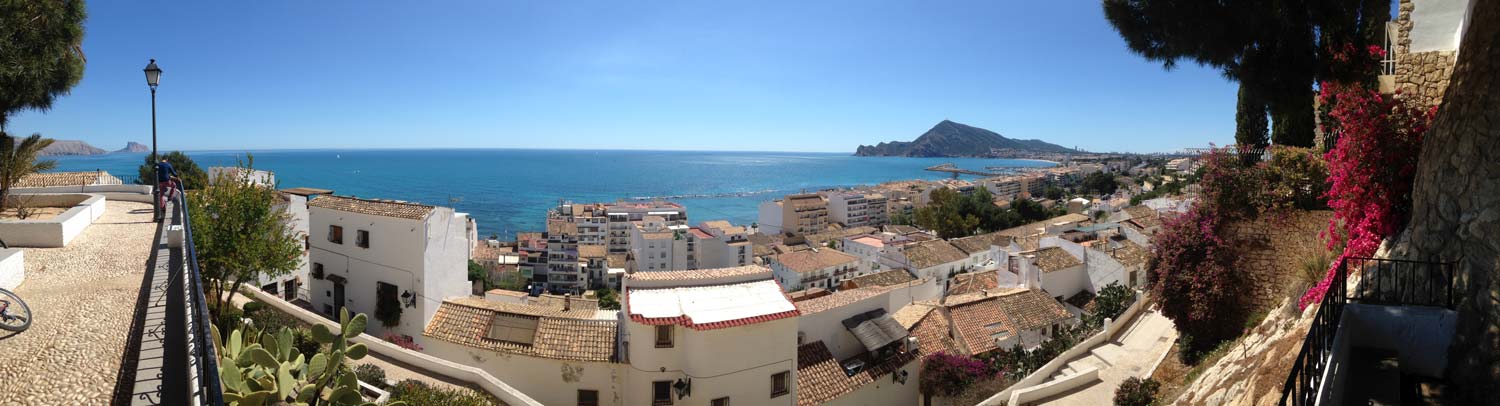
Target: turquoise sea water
<point>509,190</point>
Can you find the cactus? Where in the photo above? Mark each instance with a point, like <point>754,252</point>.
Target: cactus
<point>265,369</point>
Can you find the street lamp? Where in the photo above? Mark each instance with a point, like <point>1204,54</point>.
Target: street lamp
<point>153,76</point>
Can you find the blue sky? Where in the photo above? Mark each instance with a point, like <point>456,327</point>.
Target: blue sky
<point>697,75</point>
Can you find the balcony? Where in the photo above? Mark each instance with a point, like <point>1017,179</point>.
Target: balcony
<point>1382,340</point>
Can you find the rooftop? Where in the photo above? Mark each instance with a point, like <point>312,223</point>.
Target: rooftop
<point>53,179</point>
<point>883,278</point>
<point>386,208</point>
<point>561,338</point>
<point>1053,259</point>
<point>1136,212</point>
<point>814,259</point>
<point>972,282</point>
<point>710,307</point>
<point>592,251</point>
<point>838,299</point>
<point>928,254</point>
<point>307,191</point>
<point>982,242</point>
<point>698,276</point>
<point>821,377</point>
<point>870,241</point>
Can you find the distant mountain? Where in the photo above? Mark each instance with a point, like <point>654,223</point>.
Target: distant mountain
<point>950,139</point>
<point>134,147</point>
<point>70,147</point>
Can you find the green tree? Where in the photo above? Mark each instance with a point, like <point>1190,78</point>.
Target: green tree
<point>18,158</point>
<point>1277,48</point>
<point>241,233</point>
<point>945,214</point>
<point>477,273</point>
<point>1053,193</point>
<point>1250,124</point>
<point>609,299</point>
<point>1100,183</point>
<point>41,44</point>
<point>193,177</point>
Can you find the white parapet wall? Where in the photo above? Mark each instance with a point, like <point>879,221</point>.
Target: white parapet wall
<point>453,370</point>
<point>1053,388</point>
<point>1038,377</point>
<point>12,268</point>
<point>128,193</point>
<point>57,231</point>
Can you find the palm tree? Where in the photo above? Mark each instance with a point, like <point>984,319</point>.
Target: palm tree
<point>18,158</point>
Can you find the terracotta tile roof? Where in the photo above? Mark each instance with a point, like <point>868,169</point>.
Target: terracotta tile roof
<point>616,260</point>
<point>1130,254</point>
<point>574,303</point>
<point>592,251</point>
<point>928,254</point>
<point>1053,259</point>
<point>52,179</point>
<point>837,299</point>
<point>869,240</point>
<point>1137,212</point>
<point>531,308</point>
<point>1033,309</point>
<point>700,274</point>
<point>982,242</point>
<point>883,278</point>
<point>972,282</point>
<point>900,229</point>
<point>934,333</point>
<point>556,338</point>
<point>977,323</point>
<point>1040,226</point>
<point>909,315</point>
<point>387,208</point>
<point>697,232</point>
<point>1142,223</point>
<point>821,377</point>
<point>813,260</point>
<point>485,251</point>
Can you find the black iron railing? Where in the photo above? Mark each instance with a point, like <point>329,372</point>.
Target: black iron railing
<point>202,359</point>
<point>1383,282</point>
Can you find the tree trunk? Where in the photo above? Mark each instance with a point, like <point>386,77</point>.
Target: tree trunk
<point>1456,205</point>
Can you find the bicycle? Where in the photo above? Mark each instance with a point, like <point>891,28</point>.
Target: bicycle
<point>14,314</point>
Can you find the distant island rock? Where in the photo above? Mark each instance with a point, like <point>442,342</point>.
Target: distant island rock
<point>950,139</point>
<point>71,147</point>
<point>134,147</point>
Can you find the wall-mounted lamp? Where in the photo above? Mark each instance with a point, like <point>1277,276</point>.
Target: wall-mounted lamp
<point>899,377</point>
<point>684,388</point>
<point>410,299</point>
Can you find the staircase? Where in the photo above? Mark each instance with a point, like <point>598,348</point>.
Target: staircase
<point>1101,357</point>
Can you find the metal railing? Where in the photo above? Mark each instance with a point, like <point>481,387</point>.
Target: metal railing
<point>202,359</point>
<point>1383,282</point>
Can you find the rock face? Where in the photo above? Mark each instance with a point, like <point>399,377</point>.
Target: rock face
<point>70,147</point>
<point>134,147</point>
<point>950,139</point>
<point>1272,250</point>
<point>1456,205</point>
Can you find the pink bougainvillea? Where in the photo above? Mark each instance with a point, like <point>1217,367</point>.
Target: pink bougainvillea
<point>1371,168</point>
<point>944,374</point>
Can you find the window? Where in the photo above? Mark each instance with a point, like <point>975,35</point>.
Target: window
<point>336,234</point>
<point>779,384</point>
<point>661,393</point>
<point>317,271</point>
<point>724,401</point>
<point>588,397</point>
<point>362,238</point>
<point>516,328</point>
<point>664,336</point>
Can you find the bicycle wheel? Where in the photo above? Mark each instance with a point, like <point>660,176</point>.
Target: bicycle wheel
<point>17,316</point>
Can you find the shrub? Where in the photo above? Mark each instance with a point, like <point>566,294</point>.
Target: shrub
<point>1195,278</point>
<point>415,392</point>
<point>229,318</point>
<point>303,340</point>
<point>371,374</point>
<point>253,307</point>
<point>949,375</point>
<point>1136,392</point>
<point>1370,169</point>
<point>608,299</point>
<point>1110,304</point>
<point>1296,178</point>
<point>270,319</point>
<point>403,341</point>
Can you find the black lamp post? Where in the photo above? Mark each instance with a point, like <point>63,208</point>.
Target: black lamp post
<point>153,76</point>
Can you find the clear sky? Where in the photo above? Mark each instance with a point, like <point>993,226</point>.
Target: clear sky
<point>698,75</point>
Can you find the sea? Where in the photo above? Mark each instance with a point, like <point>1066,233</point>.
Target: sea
<point>510,190</point>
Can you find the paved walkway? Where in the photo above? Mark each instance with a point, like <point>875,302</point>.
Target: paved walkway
<point>83,297</point>
<point>1133,353</point>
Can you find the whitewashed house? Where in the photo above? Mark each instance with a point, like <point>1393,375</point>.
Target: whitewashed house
<point>815,268</point>
<point>368,254</point>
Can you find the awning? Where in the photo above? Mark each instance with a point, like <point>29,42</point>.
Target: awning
<point>875,329</point>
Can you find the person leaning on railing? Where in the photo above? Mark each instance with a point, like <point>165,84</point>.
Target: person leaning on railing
<point>166,185</point>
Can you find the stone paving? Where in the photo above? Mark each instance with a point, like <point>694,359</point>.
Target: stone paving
<point>82,298</point>
<point>1134,353</point>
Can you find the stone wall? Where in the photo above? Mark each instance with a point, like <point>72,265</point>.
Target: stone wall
<point>1420,77</point>
<point>1272,251</point>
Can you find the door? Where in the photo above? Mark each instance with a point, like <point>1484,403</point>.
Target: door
<point>338,299</point>
<point>290,290</point>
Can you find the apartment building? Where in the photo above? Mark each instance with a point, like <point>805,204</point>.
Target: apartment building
<point>804,213</point>
<point>857,208</point>
<point>1013,186</point>
<point>729,245</point>
<point>657,245</point>
<point>770,219</point>
<point>563,272</point>
<point>589,219</point>
<point>684,347</point>
<point>381,256</point>
<point>623,215</point>
<point>815,268</point>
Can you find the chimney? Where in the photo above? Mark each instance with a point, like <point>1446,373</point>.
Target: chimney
<point>567,301</point>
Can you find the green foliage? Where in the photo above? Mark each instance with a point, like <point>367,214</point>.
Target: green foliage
<point>1296,178</point>
<point>387,305</point>
<point>901,219</point>
<point>477,273</point>
<point>1053,193</point>
<point>253,307</point>
<point>193,176</point>
<point>954,215</point>
<point>608,299</point>
<point>371,374</point>
<point>18,158</point>
<point>241,234</point>
<point>264,369</point>
<point>1250,124</point>
<point>227,318</point>
<point>1137,392</point>
<point>420,393</point>
<point>41,43</point>
<point>1109,304</point>
<point>1100,183</point>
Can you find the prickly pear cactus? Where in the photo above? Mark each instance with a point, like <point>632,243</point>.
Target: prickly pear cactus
<point>264,369</point>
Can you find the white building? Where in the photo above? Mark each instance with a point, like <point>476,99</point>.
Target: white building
<point>368,254</point>
<point>815,268</point>
<point>1062,274</point>
<point>937,260</point>
<point>708,337</point>
<point>727,246</point>
<point>987,251</point>
<point>658,246</point>
<point>292,286</point>
<point>769,222</point>
<point>623,215</point>
<point>255,176</point>
<point>856,208</point>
